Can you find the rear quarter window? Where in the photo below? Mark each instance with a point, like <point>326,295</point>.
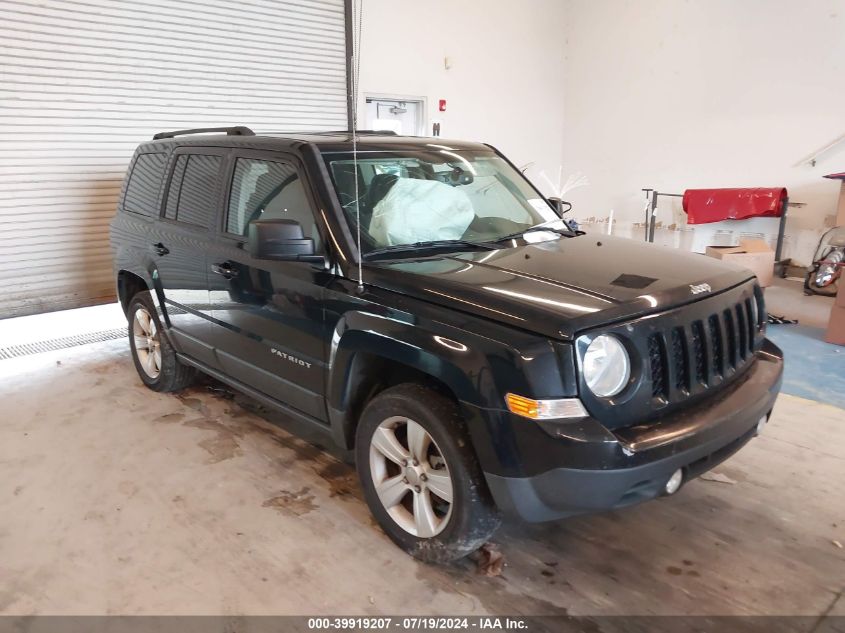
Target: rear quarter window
<point>144,184</point>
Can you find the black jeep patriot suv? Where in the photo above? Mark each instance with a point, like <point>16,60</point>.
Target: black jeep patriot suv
<point>424,305</point>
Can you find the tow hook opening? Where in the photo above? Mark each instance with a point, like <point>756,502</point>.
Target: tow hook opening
<point>673,484</point>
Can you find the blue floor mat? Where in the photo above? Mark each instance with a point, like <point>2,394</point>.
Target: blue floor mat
<point>813,369</point>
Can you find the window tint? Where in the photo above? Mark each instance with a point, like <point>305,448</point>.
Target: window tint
<point>175,187</point>
<point>265,189</point>
<point>199,185</point>
<point>144,182</point>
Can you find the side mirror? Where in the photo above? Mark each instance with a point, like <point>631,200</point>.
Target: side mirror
<point>560,206</point>
<point>281,240</point>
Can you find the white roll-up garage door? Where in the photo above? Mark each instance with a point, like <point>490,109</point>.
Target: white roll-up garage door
<point>82,82</point>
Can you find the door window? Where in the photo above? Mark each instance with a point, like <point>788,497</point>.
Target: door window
<point>264,189</point>
<point>192,195</point>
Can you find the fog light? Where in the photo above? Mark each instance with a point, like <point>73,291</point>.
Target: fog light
<point>762,424</point>
<point>674,482</point>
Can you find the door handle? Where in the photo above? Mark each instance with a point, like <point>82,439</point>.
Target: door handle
<point>160,249</point>
<point>225,270</point>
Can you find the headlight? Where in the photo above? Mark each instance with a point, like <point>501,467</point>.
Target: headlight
<point>607,367</point>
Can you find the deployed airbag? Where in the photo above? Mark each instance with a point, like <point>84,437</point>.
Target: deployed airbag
<point>417,210</point>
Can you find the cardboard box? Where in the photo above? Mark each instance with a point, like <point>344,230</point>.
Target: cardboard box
<point>756,255</point>
<point>840,294</point>
<point>836,326</point>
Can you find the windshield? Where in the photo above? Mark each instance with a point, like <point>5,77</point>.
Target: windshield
<point>409,197</point>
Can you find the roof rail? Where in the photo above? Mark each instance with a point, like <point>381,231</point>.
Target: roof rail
<point>238,130</point>
<point>367,132</point>
<point>331,132</point>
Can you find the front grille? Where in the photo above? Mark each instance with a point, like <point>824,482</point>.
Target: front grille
<point>688,359</point>
<point>682,355</point>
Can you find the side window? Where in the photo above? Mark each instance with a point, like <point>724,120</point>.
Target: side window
<point>144,183</point>
<point>191,197</point>
<point>267,189</point>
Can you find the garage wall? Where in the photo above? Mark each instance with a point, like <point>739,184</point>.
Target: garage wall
<point>504,86</point>
<point>83,82</point>
<point>704,93</point>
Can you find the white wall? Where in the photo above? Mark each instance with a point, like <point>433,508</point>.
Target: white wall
<point>704,93</point>
<point>505,85</point>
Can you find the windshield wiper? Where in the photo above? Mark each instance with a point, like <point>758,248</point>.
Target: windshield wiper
<point>429,245</point>
<point>563,230</point>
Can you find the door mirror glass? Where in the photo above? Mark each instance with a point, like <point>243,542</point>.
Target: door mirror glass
<point>281,240</point>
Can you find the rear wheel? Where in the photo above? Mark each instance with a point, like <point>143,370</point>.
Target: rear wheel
<point>420,478</point>
<point>154,357</point>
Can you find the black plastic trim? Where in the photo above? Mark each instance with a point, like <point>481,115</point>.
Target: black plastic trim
<point>255,394</point>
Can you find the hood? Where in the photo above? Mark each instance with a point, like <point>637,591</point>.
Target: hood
<point>561,287</point>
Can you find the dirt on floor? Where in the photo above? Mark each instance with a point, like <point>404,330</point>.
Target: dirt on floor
<point>118,500</point>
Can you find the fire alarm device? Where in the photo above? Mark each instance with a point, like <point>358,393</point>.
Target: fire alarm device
<point>442,105</point>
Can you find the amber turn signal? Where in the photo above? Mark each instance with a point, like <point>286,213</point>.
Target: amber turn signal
<point>545,409</point>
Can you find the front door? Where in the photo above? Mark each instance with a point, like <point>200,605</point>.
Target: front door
<point>269,327</point>
<point>180,244</point>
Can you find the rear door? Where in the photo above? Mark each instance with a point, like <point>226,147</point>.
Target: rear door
<point>180,246</point>
<point>269,327</point>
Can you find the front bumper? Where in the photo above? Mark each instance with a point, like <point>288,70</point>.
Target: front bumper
<point>628,466</point>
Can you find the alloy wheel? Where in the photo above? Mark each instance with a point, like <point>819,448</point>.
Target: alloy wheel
<point>411,477</point>
<point>147,342</point>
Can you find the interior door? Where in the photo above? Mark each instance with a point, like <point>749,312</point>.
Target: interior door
<point>183,238</point>
<point>269,329</point>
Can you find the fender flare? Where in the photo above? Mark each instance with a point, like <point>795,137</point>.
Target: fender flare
<point>462,367</point>
<point>149,275</point>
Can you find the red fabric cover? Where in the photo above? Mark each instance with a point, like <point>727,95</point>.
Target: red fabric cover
<point>712,205</point>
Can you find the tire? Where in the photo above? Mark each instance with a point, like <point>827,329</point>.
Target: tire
<point>153,355</point>
<point>434,530</point>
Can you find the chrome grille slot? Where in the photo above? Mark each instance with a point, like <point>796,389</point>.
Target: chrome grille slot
<point>762,317</point>
<point>680,362</point>
<point>751,316</point>
<point>730,337</point>
<point>698,353</point>
<point>716,345</point>
<point>743,332</point>
<point>656,364</point>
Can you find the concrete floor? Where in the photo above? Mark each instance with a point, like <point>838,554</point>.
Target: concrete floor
<point>117,500</point>
<point>786,298</point>
<point>814,368</point>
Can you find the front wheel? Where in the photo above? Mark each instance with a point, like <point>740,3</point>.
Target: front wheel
<point>420,477</point>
